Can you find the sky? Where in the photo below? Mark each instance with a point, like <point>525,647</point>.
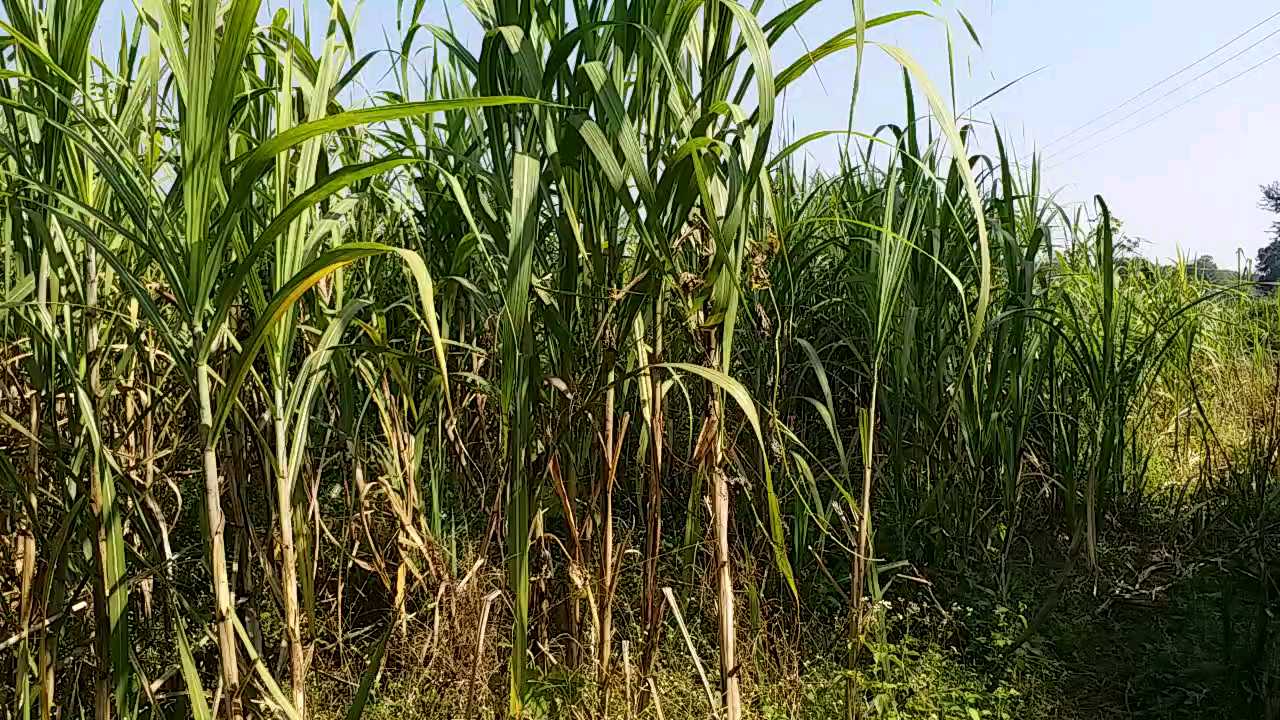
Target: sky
<point>1187,181</point>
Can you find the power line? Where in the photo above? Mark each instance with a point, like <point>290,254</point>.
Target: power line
<point>1164,80</point>
<point>1184,103</point>
<point>1077,143</point>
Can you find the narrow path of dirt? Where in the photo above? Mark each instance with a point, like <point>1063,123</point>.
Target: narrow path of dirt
<point>1162,633</point>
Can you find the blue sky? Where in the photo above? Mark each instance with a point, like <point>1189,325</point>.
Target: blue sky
<point>1188,180</point>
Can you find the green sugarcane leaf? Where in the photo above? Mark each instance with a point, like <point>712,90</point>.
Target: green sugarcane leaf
<point>291,292</point>
<point>252,164</point>
<point>245,267</point>
<point>196,699</point>
<point>370,675</point>
<point>264,674</point>
<point>748,407</point>
<point>959,153</point>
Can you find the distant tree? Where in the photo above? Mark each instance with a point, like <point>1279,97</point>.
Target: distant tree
<point>1268,269</point>
<point>1269,263</point>
<point>1125,247</point>
<point>1205,266</point>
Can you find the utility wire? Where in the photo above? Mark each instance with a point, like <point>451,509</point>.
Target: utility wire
<point>1077,143</point>
<point>1184,103</point>
<point>1164,80</point>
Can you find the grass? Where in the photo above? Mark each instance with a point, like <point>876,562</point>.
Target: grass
<point>546,381</point>
<point>1147,643</point>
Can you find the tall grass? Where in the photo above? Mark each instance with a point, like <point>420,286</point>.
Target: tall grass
<point>290,383</point>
